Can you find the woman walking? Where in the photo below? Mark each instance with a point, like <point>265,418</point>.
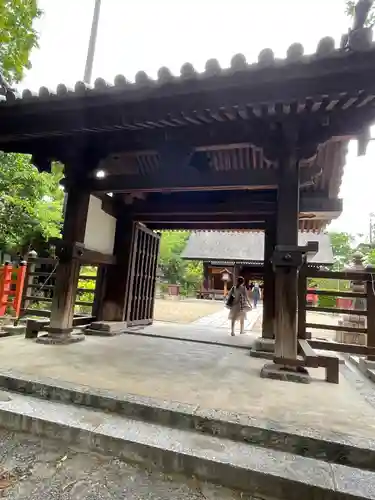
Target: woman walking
<point>239,304</point>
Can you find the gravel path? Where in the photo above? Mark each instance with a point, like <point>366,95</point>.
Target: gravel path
<point>33,469</point>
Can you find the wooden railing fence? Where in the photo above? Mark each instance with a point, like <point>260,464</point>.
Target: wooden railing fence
<point>307,344</point>
<point>39,286</point>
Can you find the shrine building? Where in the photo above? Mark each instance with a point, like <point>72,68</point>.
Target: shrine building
<point>228,254</point>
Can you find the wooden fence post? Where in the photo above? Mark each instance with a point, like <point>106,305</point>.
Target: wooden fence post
<point>370,304</point>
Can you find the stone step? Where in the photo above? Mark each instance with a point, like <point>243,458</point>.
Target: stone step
<point>340,449</point>
<point>264,473</point>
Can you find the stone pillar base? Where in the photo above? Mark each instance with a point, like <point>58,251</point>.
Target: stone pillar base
<point>106,328</point>
<point>263,348</point>
<point>60,337</point>
<point>278,372</point>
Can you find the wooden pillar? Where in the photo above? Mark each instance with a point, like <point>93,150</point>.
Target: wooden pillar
<point>268,328</point>
<point>205,275</point>
<point>113,303</point>
<point>67,272</point>
<point>287,275</point>
<point>370,305</point>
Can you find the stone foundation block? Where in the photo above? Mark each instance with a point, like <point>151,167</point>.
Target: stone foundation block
<point>263,348</point>
<point>106,328</point>
<point>61,338</point>
<point>278,372</point>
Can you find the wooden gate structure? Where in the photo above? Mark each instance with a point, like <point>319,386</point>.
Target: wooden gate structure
<point>142,279</point>
<point>253,147</point>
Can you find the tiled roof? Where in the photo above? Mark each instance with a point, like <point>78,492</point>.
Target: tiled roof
<point>295,59</point>
<point>247,246</point>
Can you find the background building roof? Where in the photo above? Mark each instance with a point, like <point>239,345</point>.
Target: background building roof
<point>247,246</point>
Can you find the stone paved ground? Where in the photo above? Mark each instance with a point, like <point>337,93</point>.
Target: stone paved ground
<point>33,468</point>
<point>185,310</point>
<point>208,376</point>
<point>220,319</point>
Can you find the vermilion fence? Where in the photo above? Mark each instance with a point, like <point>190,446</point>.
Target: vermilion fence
<point>12,279</point>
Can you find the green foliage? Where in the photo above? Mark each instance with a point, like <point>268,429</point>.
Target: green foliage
<point>30,202</point>
<point>327,301</point>
<point>175,269</point>
<point>342,249</point>
<point>350,10</point>
<point>89,286</point>
<point>329,284</point>
<point>17,36</point>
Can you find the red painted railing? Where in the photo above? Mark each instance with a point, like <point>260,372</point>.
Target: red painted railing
<point>12,281</point>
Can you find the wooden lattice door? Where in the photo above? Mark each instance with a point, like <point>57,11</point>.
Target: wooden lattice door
<point>141,291</point>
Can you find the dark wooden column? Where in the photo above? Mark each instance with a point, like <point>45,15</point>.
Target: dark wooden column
<point>67,273</point>
<point>268,328</point>
<point>302,285</point>
<point>286,276</point>
<point>205,275</point>
<point>112,306</point>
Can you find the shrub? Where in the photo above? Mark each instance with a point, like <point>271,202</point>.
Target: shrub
<point>327,301</point>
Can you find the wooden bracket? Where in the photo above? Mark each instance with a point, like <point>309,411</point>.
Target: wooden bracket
<point>67,251</point>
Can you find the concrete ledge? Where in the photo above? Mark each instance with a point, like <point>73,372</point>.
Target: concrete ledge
<point>336,448</point>
<point>257,471</point>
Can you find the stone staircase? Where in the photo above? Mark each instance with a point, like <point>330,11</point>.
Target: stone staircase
<point>231,450</point>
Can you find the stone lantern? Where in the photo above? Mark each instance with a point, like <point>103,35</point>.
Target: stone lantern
<point>158,281</point>
<point>358,303</point>
<point>226,277</point>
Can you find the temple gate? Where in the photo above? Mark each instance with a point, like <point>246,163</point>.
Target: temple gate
<point>252,147</point>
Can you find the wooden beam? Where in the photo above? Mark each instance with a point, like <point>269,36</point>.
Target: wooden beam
<point>308,353</point>
<point>260,202</point>
<point>268,326</point>
<point>93,257</point>
<point>336,328</point>
<point>201,218</point>
<point>360,350</point>
<point>209,208</point>
<point>188,179</point>
<point>206,226</point>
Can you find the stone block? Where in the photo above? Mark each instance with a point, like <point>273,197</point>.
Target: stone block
<point>61,338</point>
<point>267,345</point>
<point>34,326</point>
<point>14,330</point>
<point>278,372</point>
<point>107,327</point>
<point>263,348</point>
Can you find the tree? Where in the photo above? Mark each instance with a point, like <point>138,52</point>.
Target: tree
<point>30,202</point>
<point>17,36</point>
<point>175,269</point>
<point>350,10</point>
<point>342,249</point>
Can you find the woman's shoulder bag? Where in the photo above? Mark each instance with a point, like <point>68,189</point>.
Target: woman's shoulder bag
<point>230,298</point>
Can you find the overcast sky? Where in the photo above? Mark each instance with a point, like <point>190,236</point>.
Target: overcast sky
<point>147,34</point>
